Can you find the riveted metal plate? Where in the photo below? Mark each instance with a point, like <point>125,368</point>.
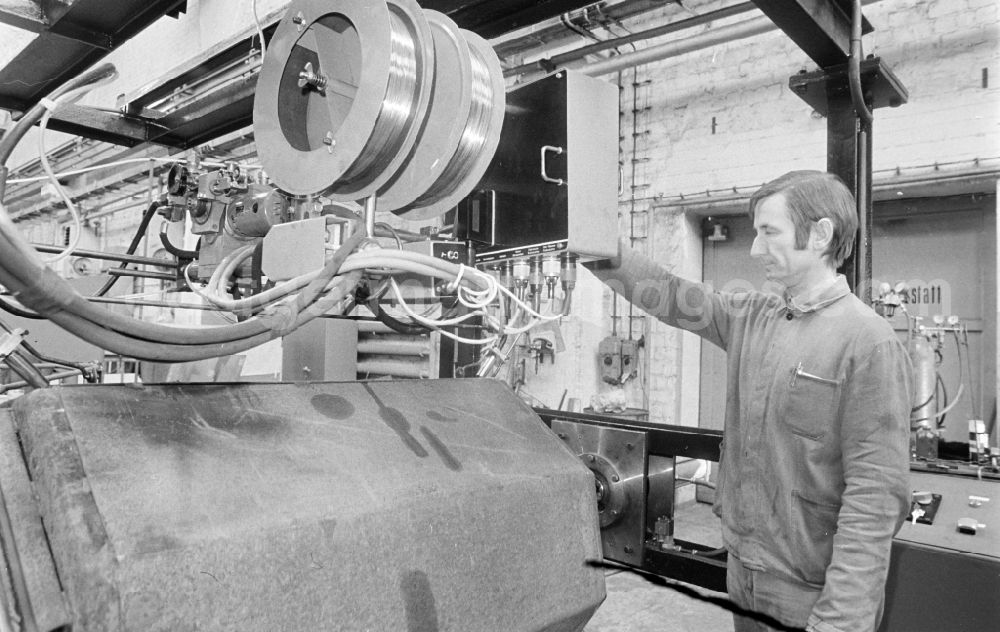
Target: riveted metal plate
<point>618,460</point>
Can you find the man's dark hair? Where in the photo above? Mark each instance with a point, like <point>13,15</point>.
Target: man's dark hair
<point>811,196</point>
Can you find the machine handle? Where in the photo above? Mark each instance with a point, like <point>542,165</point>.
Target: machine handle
<point>557,151</point>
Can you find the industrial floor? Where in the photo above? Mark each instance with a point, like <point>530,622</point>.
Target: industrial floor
<point>634,605</point>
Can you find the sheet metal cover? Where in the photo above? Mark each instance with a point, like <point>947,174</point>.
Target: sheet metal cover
<point>617,459</point>
<point>442,505</point>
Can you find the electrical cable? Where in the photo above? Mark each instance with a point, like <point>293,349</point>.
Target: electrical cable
<point>140,232</point>
<point>284,306</point>
<point>697,482</point>
<point>180,253</point>
<point>260,31</point>
<point>393,323</point>
<point>946,409</point>
<point>939,381</point>
<point>391,231</point>
<point>571,26</point>
<point>43,158</point>
<point>11,138</point>
<point>976,412</point>
<point>722,602</point>
<point>110,331</point>
<point>854,70</point>
<point>17,311</point>
<point>82,367</point>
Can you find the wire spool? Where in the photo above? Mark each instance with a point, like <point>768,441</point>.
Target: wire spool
<point>442,132</point>
<point>480,134</point>
<point>342,95</point>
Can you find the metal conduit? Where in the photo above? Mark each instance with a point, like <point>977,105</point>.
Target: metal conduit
<point>714,37</point>
<point>666,29</point>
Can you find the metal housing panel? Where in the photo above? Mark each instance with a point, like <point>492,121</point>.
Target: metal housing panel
<point>592,165</point>
<point>563,127</point>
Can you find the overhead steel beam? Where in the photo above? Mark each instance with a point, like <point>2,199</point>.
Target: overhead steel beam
<point>48,17</point>
<point>821,28</point>
<point>110,127</point>
<point>23,14</point>
<point>72,36</point>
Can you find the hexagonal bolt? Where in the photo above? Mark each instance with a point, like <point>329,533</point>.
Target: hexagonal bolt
<point>629,549</point>
<point>590,457</point>
<point>299,19</point>
<point>614,478</point>
<point>329,141</point>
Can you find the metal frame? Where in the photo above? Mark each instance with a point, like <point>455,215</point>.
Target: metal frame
<point>688,564</point>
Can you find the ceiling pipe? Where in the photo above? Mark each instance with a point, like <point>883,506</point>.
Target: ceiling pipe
<point>714,37</point>
<point>666,29</point>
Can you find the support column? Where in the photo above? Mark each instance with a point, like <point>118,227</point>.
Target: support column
<point>849,146</point>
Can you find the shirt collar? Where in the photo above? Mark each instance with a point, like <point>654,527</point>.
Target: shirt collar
<point>820,297</point>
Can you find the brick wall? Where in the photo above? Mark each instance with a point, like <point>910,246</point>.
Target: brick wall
<point>938,49</point>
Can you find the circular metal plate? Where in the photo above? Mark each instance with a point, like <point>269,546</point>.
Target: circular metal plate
<point>613,501</point>
<point>485,156</point>
<point>447,112</point>
<point>411,16</point>
<point>308,138</point>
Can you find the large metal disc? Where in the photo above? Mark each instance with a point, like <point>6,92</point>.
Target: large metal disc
<point>309,136</point>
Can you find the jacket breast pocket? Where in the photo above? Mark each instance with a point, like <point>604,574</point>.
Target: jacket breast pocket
<point>811,404</point>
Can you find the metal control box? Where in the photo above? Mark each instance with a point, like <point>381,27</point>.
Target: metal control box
<point>553,184</point>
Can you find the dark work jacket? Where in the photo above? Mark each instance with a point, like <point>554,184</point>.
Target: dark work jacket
<point>813,481</point>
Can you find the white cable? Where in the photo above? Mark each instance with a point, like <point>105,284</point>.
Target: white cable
<point>475,290</point>
<point>527,308</point>
<point>430,322</point>
<point>260,31</point>
<point>50,108</point>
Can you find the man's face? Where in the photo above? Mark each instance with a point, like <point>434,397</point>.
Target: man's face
<point>774,244</point>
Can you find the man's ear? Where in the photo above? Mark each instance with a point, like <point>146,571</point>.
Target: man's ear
<point>821,234</point>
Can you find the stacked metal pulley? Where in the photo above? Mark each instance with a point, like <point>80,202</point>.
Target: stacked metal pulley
<point>358,99</point>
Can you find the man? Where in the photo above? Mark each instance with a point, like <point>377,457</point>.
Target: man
<point>813,480</point>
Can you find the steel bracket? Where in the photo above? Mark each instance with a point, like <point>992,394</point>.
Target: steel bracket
<point>882,87</point>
